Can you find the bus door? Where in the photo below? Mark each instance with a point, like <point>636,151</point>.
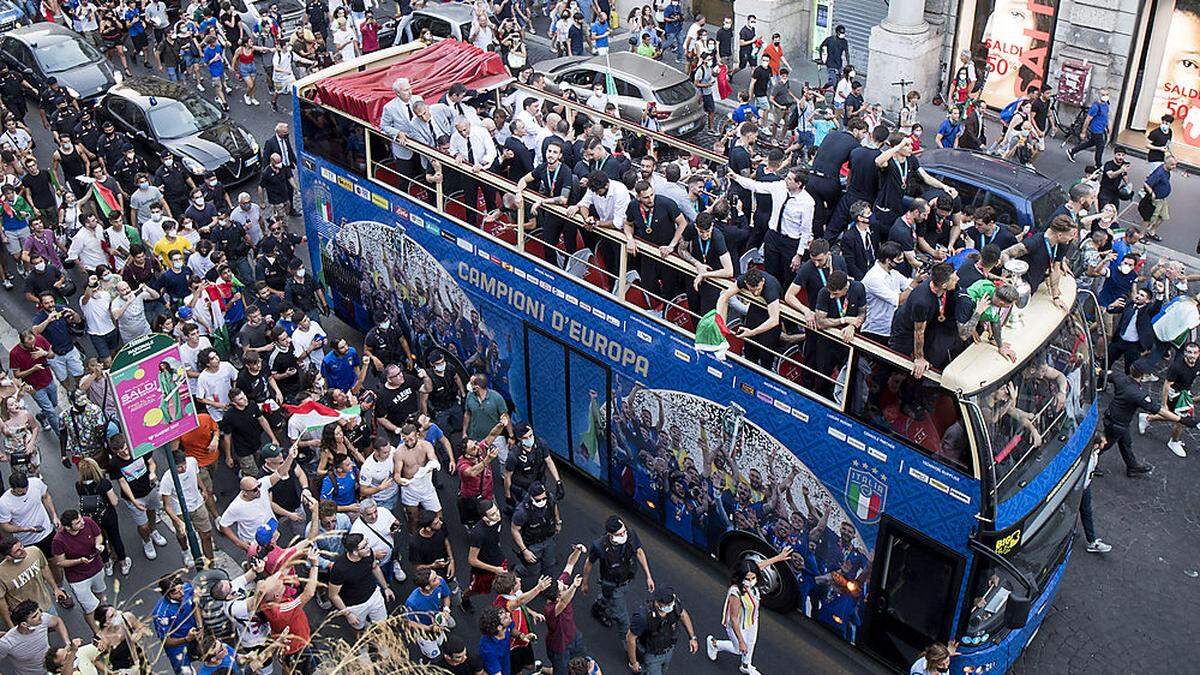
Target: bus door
<point>568,402</point>
<point>912,594</point>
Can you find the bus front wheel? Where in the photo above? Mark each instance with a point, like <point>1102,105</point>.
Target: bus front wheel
<point>776,584</point>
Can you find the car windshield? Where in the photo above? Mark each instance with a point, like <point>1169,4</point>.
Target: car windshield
<point>675,94</point>
<point>1029,418</point>
<point>176,118</point>
<point>1045,205</point>
<point>63,55</point>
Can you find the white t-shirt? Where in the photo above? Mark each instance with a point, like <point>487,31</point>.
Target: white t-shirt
<point>883,296</point>
<point>301,339</point>
<point>844,87</point>
<point>26,653</point>
<point>215,387</point>
<point>189,355</point>
<point>245,517</point>
<point>27,511</point>
<point>187,479</point>
<point>378,534</point>
<point>374,472</point>
<point>96,313</point>
<point>133,322</point>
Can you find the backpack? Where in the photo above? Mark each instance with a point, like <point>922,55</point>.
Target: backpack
<point>1006,114</point>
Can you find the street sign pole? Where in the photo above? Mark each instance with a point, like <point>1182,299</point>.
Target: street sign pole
<point>185,512</point>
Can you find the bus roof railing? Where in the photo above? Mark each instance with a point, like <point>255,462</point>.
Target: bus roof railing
<point>980,357</point>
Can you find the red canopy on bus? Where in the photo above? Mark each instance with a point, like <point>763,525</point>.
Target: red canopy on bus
<point>431,70</point>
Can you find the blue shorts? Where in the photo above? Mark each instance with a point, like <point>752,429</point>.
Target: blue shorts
<point>804,139</point>
<point>709,104</point>
<point>247,69</point>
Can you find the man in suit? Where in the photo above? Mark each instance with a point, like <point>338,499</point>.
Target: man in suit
<point>420,129</point>
<point>859,243</point>
<point>397,113</point>
<point>280,144</point>
<point>516,158</point>
<point>1133,332</point>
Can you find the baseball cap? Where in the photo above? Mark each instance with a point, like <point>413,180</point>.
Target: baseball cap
<point>184,313</point>
<point>536,488</point>
<point>269,450</point>
<point>266,532</point>
<point>662,596</point>
<point>613,524</point>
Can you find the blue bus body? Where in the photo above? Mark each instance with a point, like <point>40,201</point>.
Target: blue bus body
<point>705,448</point>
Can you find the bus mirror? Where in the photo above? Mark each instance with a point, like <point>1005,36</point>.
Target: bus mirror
<point>1016,610</point>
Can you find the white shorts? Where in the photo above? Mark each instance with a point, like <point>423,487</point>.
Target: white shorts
<point>88,591</point>
<point>431,649</point>
<point>421,493</point>
<point>372,611</point>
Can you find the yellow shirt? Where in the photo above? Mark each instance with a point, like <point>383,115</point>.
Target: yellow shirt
<point>164,248</point>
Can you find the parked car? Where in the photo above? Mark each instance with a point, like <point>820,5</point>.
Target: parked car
<point>450,20</point>
<point>45,50</point>
<point>1020,195</point>
<point>11,15</point>
<point>165,116</point>
<point>637,80</point>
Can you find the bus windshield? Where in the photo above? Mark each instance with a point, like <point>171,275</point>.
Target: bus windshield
<point>1029,416</point>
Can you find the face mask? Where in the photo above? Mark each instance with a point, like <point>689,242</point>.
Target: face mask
<point>300,273</point>
<point>619,539</point>
<point>1165,127</point>
<point>168,162</point>
<point>527,442</point>
<point>1104,99</point>
<point>667,609</point>
<point>439,368</point>
<point>747,584</point>
<point>212,182</point>
<point>199,202</point>
<point>155,217</point>
<point>41,267</point>
<point>540,503</point>
<point>177,265</point>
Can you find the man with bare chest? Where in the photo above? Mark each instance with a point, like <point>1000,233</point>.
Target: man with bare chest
<point>414,462</point>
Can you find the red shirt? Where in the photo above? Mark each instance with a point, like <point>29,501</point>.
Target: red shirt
<point>370,37</point>
<point>289,616</point>
<point>520,624</point>
<point>475,486</point>
<point>560,627</point>
<point>20,358</point>
<point>81,545</point>
<point>195,442</point>
<point>774,54</point>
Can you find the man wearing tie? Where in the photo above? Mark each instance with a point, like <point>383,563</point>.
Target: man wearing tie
<point>1133,332</point>
<point>420,129</point>
<point>859,243</point>
<point>473,146</point>
<point>455,98</point>
<point>397,114</point>
<point>791,224</point>
<point>279,144</point>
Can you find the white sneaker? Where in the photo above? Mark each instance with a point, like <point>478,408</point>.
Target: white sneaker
<point>149,550</point>
<point>749,670</point>
<point>1143,422</point>
<point>1177,448</point>
<point>199,86</point>
<point>188,560</point>
<point>254,101</point>
<point>157,538</point>
<point>398,572</point>
<point>108,568</point>
<point>126,565</point>
<point>1098,546</point>
<point>246,100</point>
<point>710,643</point>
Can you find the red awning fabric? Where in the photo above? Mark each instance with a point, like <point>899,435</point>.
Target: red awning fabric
<point>431,71</point>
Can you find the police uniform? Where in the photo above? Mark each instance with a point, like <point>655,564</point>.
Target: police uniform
<point>444,401</point>
<point>618,566</point>
<point>538,527</point>
<point>656,634</point>
<point>527,465</point>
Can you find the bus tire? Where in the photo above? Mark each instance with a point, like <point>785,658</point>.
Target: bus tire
<point>777,584</point>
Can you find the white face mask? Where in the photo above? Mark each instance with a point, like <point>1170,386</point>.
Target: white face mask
<point>199,202</point>
<point>41,267</point>
<point>439,368</point>
<point>540,503</point>
<point>1165,127</point>
<point>155,217</point>
<point>619,539</point>
<point>300,273</point>
<point>169,162</point>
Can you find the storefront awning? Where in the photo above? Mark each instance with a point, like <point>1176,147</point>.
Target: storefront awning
<point>431,72</point>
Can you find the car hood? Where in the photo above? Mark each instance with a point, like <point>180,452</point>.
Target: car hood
<point>213,146</point>
<point>88,80</point>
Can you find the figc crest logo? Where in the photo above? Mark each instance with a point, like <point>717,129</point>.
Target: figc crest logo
<point>866,492</point>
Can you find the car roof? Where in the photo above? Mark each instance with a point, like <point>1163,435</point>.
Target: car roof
<point>30,34</point>
<point>139,89</point>
<point>987,170</point>
<point>654,73</point>
<point>451,11</point>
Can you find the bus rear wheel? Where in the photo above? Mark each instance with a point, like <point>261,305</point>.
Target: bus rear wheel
<point>776,584</point>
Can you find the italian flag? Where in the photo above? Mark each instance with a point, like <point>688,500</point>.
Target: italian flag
<point>326,210</point>
<point>316,415</point>
<point>711,334</point>
<point>864,501</point>
<point>105,199</point>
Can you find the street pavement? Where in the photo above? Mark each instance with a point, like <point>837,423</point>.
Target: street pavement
<point>1128,611</point>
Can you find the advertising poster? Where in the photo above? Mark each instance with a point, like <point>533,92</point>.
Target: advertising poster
<point>1015,34</point>
<point>152,393</point>
<point>1177,91</point>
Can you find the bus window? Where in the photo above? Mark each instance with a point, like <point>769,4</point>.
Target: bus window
<point>1031,415</point>
<point>333,138</point>
<point>916,412</point>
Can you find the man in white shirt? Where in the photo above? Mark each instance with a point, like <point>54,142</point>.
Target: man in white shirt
<point>790,227</point>
<point>473,146</point>
<point>886,289</point>
<point>214,382</point>
<point>249,215</point>
<point>190,348</point>
<point>308,342</point>
<point>375,477</point>
<point>252,507</point>
<point>598,100</point>
<point>194,495</point>
<point>85,245</point>
<point>96,307</point>
<point>27,510</point>
<point>377,526</point>
<point>610,200</point>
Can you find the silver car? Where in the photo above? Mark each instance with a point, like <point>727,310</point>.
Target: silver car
<point>451,20</point>
<point>637,79</point>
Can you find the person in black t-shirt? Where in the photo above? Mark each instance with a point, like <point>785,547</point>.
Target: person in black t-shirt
<point>260,387</point>
<point>1177,392</point>
<point>898,168</point>
<point>760,327</point>
<point>385,344</point>
<point>704,247</point>
<point>903,233</point>
<point>927,311</point>
<point>354,581</point>
<point>1045,253</point>
<point>824,179</point>
<point>659,221</point>
<point>811,278</point>
<point>430,548</point>
<point>401,395</point>
<point>747,36</point>
<point>987,231</point>
<point>484,554</point>
<point>979,265</point>
<point>1159,141</point>
<point>760,85</point>
<point>553,180</point>
<point>863,184</point>
<point>1114,173</point>
<point>840,307</point>
<point>940,230</point>
<point>242,426</point>
<point>456,659</point>
<point>284,367</point>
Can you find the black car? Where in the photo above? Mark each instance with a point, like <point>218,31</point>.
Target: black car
<point>164,116</point>
<point>46,50</point>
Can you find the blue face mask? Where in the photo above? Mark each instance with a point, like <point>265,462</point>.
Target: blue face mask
<point>527,442</point>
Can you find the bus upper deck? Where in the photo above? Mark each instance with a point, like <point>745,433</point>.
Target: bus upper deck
<point>984,457</point>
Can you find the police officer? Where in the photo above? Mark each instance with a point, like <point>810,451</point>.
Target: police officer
<point>653,632</point>
<point>617,553</point>
<point>1130,398</point>
<point>528,462</point>
<point>111,145</point>
<point>127,168</point>
<point>445,400</point>
<point>172,178</point>
<point>535,524</point>
<point>385,343</point>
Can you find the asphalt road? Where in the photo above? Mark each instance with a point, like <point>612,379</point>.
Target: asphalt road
<point>1108,612</point>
